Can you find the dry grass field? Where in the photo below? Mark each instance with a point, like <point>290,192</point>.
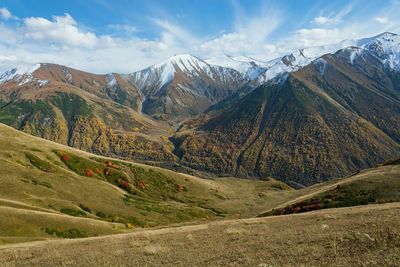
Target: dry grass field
<point>358,236</point>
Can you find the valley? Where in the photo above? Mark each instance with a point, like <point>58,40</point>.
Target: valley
<point>245,118</point>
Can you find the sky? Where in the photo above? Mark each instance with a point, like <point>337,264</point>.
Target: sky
<point>123,36</point>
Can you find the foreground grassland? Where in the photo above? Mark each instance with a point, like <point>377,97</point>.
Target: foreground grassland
<point>358,236</point>
<point>52,191</point>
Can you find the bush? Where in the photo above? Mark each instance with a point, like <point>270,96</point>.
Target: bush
<point>85,208</point>
<point>141,185</point>
<point>89,172</point>
<point>101,214</point>
<point>39,163</point>
<point>65,157</point>
<point>70,233</point>
<point>180,188</point>
<point>73,212</point>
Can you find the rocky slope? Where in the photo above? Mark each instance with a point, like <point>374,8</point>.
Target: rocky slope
<point>184,86</point>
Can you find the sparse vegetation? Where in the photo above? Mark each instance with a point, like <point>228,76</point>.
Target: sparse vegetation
<point>70,233</point>
<point>39,163</point>
<point>73,212</point>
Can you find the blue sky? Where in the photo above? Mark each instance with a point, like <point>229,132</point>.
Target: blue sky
<point>127,35</point>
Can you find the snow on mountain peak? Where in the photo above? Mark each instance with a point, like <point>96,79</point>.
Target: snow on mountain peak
<point>22,74</point>
<point>247,66</point>
<point>385,46</point>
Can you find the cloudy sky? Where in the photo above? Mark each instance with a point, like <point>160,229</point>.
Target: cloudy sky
<point>126,35</point>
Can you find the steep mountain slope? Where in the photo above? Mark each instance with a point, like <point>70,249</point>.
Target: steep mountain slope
<point>335,116</point>
<point>184,86</point>
<point>97,113</point>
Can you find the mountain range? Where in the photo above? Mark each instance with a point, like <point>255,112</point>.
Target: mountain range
<point>306,117</point>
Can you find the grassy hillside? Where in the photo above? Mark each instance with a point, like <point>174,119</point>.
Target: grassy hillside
<point>359,236</point>
<point>372,186</point>
<point>51,191</point>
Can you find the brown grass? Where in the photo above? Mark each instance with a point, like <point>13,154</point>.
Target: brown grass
<point>358,236</point>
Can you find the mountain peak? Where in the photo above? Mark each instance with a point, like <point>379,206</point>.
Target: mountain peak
<point>183,57</point>
<point>21,73</point>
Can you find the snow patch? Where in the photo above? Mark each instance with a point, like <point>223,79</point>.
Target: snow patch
<point>22,74</point>
<point>111,80</point>
<point>321,65</point>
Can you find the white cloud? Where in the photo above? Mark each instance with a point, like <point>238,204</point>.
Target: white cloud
<point>123,28</point>
<point>6,14</point>
<point>249,36</point>
<point>63,40</point>
<point>62,30</point>
<point>333,19</point>
<point>382,20</point>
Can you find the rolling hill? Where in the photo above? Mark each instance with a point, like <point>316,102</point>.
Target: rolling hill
<point>50,190</point>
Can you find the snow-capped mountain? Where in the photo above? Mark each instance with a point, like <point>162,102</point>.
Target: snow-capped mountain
<point>184,85</point>
<point>385,46</point>
<point>22,75</point>
<point>247,66</point>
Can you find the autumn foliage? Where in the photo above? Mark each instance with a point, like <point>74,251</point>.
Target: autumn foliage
<point>141,185</point>
<point>180,188</point>
<point>89,172</point>
<point>112,165</point>
<point>65,157</point>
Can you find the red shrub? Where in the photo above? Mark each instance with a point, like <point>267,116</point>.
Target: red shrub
<point>89,172</point>
<point>107,171</point>
<point>296,209</point>
<point>180,188</point>
<point>98,171</point>
<point>123,184</point>
<point>110,164</point>
<point>65,157</point>
<point>141,185</point>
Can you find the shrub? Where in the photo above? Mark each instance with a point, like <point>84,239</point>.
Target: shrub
<point>85,208</point>
<point>39,163</point>
<point>125,185</point>
<point>107,171</point>
<point>98,171</point>
<point>101,214</point>
<point>180,188</point>
<point>73,212</point>
<point>141,185</point>
<point>89,172</point>
<point>65,157</point>
<point>70,233</point>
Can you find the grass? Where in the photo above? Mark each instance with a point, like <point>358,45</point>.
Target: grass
<point>379,185</point>
<point>73,212</point>
<point>39,163</point>
<point>36,175</point>
<point>70,233</point>
<point>69,202</point>
<point>359,236</point>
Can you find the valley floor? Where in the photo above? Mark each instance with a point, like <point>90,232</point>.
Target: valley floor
<point>356,236</point>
